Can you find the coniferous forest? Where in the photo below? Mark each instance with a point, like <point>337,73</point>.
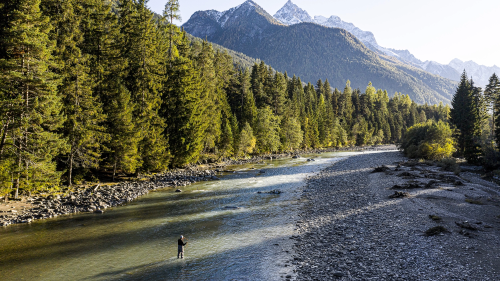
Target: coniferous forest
<point>87,87</point>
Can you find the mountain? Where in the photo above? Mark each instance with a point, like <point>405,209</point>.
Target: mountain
<point>291,14</point>
<point>480,73</point>
<point>314,52</point>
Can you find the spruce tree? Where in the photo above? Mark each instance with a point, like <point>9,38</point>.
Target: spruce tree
<point>492,94</point>
<point>144,77</point>
<point>467,117</point>
<point>82,109</point>
<point>171,12</point>
<point>267,131</point>
<point>183,111</point>
<point>248,108</point>
<point>279,94</point>
<point>30,104</point>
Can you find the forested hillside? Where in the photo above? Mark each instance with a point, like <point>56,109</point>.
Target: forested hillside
<point>86,91</point>
<point>312,52</point>
<point>241,60</point>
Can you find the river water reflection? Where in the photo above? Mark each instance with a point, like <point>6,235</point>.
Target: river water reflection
<point>139,241</point>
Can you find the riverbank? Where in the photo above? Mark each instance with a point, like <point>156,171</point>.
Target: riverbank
<point>97,198</point>
<point>438,226</point>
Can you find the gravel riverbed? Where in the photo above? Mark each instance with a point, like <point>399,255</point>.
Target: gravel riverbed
<point>351,230</point>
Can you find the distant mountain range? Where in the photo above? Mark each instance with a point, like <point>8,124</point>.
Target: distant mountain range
<point>291,14</point>
<point>313,51</point>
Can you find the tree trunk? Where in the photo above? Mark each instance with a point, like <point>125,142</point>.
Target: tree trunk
<point>4,134</point>
<point>114,171</point>
<point>70,170</point>
<point>16,182</point>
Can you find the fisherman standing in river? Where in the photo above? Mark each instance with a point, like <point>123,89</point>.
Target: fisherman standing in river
<point>180,247</point>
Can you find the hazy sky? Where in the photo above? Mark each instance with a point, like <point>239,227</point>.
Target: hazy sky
<point>438,30</point>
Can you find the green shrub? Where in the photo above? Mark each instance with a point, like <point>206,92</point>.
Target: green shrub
<point>450,165</point>
<point>430,140</point>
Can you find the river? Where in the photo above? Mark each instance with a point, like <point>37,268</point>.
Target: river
<point>138,241</point>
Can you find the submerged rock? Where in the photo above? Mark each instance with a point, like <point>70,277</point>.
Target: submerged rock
<point>276,191</point>
<point>399,194</point>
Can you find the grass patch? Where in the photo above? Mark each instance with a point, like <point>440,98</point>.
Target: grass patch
<point>475,202</point>
<point>435,231</point>
<point>435,218</point>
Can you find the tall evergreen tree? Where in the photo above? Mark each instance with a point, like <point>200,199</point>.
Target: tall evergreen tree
<point>183,112</point>
<point>171,12</point>
<point>279,93</point>
<point>467,117</point>
<point>82,109</point>
<point>267,131</point>
<point>30,104</point>
<point>144,76</point>
<point>492,94</point>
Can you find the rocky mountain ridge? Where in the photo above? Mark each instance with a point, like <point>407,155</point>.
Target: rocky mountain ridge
<point>291,14</point>
<point>313,51</point>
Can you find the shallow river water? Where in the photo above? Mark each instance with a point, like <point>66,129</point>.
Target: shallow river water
<point>139,241</point>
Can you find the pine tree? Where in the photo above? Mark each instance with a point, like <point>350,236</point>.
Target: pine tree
<point>267,131</point>
<point>183,111</point>
<point>30,104</point>
<point>346,109</point>
<point>258,77</point>
<point>171,12</point>
<point>83,111</point>
<point>279,93</point>
<point>492,94</point>
<point>249,110</point>
<point>467,117</point>
<point>227,139</point>
<point>144,77</point>
<point>291,132</point>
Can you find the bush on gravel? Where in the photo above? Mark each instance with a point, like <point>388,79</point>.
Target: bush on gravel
<point>450,165</point>
<point>435,231</point>
<point>430,140</point>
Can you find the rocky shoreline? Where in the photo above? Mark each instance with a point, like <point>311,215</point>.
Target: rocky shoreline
<point>445,227</point>
<point>98,198</point>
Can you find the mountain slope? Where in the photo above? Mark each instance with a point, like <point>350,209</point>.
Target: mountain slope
<point>239,59</point>
<point>291,14</point>
<point>314,52</point>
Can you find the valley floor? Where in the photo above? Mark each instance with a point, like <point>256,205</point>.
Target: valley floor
<point>351,230</point>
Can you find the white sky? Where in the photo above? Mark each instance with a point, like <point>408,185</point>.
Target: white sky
<point>438,30</point>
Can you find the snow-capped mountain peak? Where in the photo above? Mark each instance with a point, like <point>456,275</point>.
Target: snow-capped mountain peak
<point>291,14</point>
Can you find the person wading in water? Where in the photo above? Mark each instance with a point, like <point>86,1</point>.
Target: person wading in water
<point>180,247</point>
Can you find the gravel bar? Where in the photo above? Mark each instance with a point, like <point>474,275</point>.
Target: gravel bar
<point>350,229</point>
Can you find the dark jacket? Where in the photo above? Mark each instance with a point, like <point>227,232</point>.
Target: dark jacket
<point>180,243</point>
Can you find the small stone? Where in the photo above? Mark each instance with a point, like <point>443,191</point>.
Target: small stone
<point>178,190</point>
